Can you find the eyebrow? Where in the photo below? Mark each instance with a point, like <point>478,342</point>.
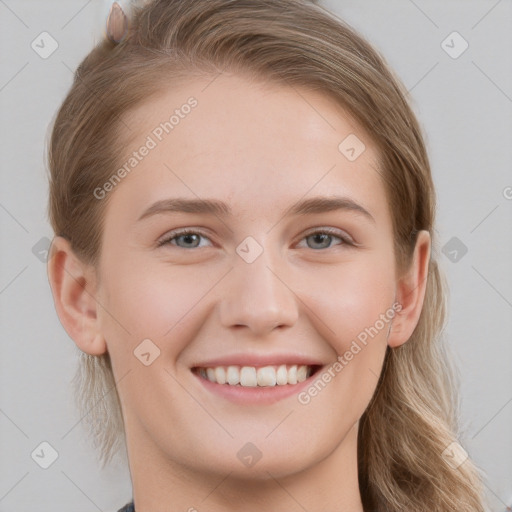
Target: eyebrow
<point>221,209</point>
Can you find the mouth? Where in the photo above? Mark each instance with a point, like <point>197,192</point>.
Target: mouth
<point>282,375</point>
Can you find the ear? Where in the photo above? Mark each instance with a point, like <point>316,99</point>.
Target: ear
<point>73,285</point>
<point>410,292</point>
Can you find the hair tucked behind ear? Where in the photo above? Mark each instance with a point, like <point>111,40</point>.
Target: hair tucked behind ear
<point>413,415</point>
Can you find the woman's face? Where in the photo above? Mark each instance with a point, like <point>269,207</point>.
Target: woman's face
<point>252,286</point>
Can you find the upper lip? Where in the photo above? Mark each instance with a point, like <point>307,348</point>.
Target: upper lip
<point>259,360</point>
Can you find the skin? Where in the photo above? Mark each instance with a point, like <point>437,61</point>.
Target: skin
<point>260,148</point>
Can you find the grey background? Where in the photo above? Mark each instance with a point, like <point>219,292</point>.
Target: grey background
<point>465,107</point>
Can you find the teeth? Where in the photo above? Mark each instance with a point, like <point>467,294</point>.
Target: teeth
<point>233,375</point>
<point>282,375</point>
<point>220,375</point>
<point>249,376</point>
<point>292,374</point>
<point>266,376</point>
<point>302,373</point>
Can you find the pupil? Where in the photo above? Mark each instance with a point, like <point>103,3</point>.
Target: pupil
<point>320,237</point>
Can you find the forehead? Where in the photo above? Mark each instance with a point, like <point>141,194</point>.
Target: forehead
<point>248,143</point>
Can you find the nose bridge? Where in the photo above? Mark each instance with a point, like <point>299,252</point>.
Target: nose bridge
<point>256,294</point>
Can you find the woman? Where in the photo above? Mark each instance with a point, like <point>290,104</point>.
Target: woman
<point>244,253</point>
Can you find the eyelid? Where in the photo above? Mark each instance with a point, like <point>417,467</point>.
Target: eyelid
<point>166,239</point>
<point>340,233</point>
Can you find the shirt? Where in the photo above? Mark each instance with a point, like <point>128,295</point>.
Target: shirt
<point>129,507</point>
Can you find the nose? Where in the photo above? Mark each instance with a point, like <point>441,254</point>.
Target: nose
<point>258,297</point>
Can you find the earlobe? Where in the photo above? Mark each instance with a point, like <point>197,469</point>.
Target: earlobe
<point>410,292</point>
<point>73,286</point>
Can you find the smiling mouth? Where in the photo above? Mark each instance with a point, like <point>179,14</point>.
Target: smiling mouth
<point>257,376</point>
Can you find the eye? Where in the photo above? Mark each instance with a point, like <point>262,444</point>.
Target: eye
<point>325,235</point>
<point>188,236</point>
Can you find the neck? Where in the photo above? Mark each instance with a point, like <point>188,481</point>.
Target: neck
<point>331,483</point>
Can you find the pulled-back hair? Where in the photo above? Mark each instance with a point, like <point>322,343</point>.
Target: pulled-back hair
<point>414,413</point>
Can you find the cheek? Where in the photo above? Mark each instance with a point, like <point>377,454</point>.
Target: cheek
<point>354,297</point>
<point>151,301</point>
<point>353,313</point>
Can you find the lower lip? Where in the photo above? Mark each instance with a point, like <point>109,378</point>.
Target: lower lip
<point>255,395</point>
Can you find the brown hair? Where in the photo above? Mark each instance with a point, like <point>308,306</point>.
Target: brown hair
<point>413,415</point>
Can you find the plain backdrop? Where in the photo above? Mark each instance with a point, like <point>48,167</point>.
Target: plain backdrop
<point>463,100</point>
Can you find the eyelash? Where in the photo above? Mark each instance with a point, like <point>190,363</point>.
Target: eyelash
<point>326,231</point>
